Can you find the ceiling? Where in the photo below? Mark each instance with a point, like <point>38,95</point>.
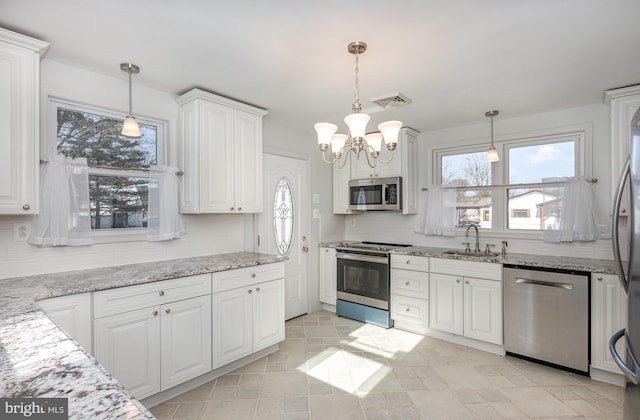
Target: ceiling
<point>454,59</point>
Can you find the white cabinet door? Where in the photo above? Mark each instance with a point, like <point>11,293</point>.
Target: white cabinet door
<point>445,304</point>
<point>341,178</point>
<point>19,133</point>
<point>360,167</point>
<point>186,340</point>
<point>221,145</point>
<point>73,314</point>
<point>248,162</point>
<point>328,275</point>
<point>128,346</point>
<point>268,314</point>
<point>608,316</point>
<point>483,310</point>
<point>232,325</point>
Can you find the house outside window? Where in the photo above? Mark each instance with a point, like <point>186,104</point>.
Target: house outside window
<point>118,165</point>
<point>508,194</point>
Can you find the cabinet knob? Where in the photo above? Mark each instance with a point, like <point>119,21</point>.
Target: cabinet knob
<point>26,207</point>
<point>408,261</point>
<point>599,278</point>
<point>457,280</point>
<point>155,313</point>
<point>161,292</point>
<point>466,282</point>
<point>406,283</point>
<point>239,208</point>
<point>407,310</point>
<point>250,291</point>
<point>253,275</point>
<point>231,208</point>
<point>257,289</point>
<point>167,311</point>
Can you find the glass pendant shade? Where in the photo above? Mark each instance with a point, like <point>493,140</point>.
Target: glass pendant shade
<point>390,130</point>
<point>325,133</point>
<point>130,127</point>
<point>492,155</point>
<point>337,142</point>
<point>357,124</point>
<point>375,141</point>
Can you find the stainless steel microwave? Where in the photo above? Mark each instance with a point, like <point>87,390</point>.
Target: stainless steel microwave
<point>378,194</point>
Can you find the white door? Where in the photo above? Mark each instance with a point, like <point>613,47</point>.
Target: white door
<point>284,225</point>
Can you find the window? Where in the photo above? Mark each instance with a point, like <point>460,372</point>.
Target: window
<point>118,165</point>
<point>508,195</point>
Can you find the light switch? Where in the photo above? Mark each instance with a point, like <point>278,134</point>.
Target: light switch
<point>316,199</point>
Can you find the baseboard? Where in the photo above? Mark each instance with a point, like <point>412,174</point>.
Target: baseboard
<point>607,377</point>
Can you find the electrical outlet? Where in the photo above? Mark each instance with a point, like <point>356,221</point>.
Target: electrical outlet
<point>184,225</point>
<point>353,221</point>
<point>21,231</point>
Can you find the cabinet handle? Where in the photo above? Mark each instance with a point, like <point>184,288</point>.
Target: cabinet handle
<point>161,292</point>
<point>155,313</point>
<point>26,207</point>
<point>250,291</point>
<point>406,283</point>
<point>257,289</point>
<point>167,311</point>
<point>599,278</point>
<point>408,261</point>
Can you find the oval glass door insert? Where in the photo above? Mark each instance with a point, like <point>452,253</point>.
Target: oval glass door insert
<point>283,216</point>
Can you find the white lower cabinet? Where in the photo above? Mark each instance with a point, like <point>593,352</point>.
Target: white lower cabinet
<point>464,305</point>
<point>328,275</point>
<point>608,316</point>
<point>73,314</point>
<point>248,313</point>
<point>154,336</point>
<point>410,292</point>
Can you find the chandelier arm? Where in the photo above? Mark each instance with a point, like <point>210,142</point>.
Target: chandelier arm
<point>369,157</point>
<point>329,161</point>
<point>344,161</point>
<point>386,161</point>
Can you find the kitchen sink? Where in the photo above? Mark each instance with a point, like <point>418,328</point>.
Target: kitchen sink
<point>461,253</point>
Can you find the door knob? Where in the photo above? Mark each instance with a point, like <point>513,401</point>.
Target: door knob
<point>305,249</point>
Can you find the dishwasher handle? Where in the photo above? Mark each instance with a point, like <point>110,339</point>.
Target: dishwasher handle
<point>634,377</point>
<point>567,286</point>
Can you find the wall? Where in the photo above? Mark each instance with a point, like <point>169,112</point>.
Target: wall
<point>207,234</point>
<point>394,227</point>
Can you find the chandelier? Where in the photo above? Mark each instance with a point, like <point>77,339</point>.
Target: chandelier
<point>356,140</point>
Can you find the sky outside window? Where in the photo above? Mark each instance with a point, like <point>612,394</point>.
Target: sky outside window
<point>531,164</point>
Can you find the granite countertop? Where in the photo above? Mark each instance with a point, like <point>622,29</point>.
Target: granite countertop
<point>527,260</point>
<point>38,359</point>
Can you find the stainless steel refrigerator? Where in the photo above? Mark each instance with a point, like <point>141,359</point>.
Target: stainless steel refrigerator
<point>631,279</point>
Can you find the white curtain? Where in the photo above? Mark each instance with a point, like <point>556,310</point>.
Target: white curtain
<point>438,215</point>
<point>64,218</point>
<point>569,210</point>
<point>163,221</point>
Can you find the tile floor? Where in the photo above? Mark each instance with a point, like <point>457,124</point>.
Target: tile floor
<point>335,368</point>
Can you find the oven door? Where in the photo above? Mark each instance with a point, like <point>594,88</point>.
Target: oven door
<point>363,279</point>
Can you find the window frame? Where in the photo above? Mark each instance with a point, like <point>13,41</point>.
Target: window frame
<point>119,234</point>
<point>580,134</point>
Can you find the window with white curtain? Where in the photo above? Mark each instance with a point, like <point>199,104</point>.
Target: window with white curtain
<point>508,194</point>
<point>118,165</point>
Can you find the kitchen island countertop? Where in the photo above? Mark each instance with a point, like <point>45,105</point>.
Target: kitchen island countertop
<point>39,360</point>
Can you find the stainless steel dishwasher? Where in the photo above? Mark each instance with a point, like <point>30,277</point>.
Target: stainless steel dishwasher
<point>546,316</point>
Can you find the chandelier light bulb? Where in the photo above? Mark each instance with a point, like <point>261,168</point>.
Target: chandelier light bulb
<point>325,134</point>
<point>337,142</point>
<point>375,141</point>
<point>357,124</point>
<point>390,130</point>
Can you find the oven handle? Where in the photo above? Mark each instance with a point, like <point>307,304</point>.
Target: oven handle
<point>365,258</point>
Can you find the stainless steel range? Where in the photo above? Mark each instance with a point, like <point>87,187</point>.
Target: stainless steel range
<point>363,281</point>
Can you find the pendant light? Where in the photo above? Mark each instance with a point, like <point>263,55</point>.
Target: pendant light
<point>356,140</point>
<point>130,126</point>
<point>492,154</point>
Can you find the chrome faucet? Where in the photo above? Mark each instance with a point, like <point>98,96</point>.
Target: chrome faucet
<point>466,235</point>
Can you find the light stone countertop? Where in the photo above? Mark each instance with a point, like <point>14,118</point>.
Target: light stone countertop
<point>38,359</point>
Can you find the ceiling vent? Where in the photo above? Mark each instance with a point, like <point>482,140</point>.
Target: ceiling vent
<point>393,100</point>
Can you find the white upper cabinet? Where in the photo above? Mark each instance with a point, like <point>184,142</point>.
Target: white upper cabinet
<point>624,104</point>
<point>221,148</point>
<point>19,115</point>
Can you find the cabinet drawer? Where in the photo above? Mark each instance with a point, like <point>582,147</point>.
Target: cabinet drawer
<point>410,283</point>
<point>241,277</point>
<point>128,298</point>
<point>408,309</point>
<point>410,262</point>
<point>477,269</point>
